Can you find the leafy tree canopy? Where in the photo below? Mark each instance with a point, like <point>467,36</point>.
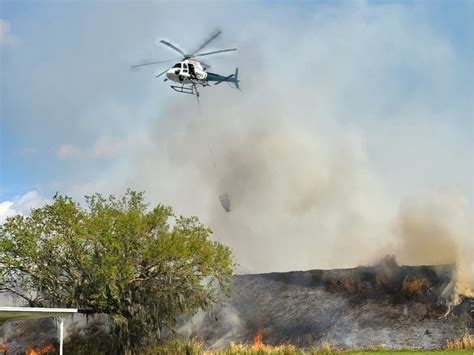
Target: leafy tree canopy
<point>141,266</point>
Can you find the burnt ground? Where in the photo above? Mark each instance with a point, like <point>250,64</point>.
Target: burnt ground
<point>390,305</point>
<point>31,334</point>
<point>398,307</point>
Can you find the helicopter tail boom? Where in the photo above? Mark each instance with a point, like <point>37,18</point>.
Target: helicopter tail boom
<point>232,78</point>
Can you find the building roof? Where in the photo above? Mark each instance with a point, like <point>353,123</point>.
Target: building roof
<point>22,313</point>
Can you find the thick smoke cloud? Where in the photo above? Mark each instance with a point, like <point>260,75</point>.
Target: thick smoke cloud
<point>300,198</point>
<point>438,228</point>
<point>303,189</point>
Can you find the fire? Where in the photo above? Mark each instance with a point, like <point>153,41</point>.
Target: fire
<point>258,340</point>
<point>4,347</point>
<point>41,350</point>
<point>464,288</point>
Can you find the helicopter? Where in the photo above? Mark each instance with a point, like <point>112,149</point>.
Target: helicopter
<point>190,73</point>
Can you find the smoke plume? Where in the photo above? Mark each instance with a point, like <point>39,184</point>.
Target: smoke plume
<point>437,228</point>
<point>323,147</point>
<point>302,196</point>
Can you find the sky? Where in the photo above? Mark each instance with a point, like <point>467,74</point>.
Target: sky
<point>349,110</point>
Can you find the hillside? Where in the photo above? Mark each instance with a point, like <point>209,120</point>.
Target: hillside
<point>386,304</point>
<point>390,305</point>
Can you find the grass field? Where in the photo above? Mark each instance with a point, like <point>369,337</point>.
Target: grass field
<point>261,352</point>
<point>196,348</point>
<point>462,346</point>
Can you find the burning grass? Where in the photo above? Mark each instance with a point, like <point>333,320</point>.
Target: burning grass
<point>196,348</point>
<point>235,349</point>
<point>43,350</point>
<point>459,346</point>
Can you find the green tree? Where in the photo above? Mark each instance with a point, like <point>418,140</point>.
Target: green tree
<point>143,267</point>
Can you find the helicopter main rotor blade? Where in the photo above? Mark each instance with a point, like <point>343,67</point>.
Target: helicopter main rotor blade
<point>213,36</point>
<point>206,65</point>
<point>214,52</point>
<point>152,63</point>
<point>172,46</point>
<point>164,71</point>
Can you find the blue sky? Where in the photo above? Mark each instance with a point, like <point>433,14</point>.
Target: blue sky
<point>386,85</point>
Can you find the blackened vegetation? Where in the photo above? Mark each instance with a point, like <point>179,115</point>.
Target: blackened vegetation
<point>425,284</point>
<point>386,304</point>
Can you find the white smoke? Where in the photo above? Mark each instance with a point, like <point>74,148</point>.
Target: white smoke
<point>438,228</point>
<point>303,189</point>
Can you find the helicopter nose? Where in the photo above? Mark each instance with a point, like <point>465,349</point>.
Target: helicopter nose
<point>172,75</point>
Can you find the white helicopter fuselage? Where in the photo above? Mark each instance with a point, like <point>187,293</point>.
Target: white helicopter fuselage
<point>187,72</point>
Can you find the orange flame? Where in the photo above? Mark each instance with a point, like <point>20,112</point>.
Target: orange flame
<point>40,351</point>
<point>258,340</point>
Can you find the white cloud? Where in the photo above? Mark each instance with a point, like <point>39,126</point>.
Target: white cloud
<point>103,148</point>
<point>68,152</point>
<point>21,205</point>
<point>7,210</point>
<point>7,37</point>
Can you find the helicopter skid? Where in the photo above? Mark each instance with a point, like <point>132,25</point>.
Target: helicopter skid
<point>185,89</point>
<point>190,89</point>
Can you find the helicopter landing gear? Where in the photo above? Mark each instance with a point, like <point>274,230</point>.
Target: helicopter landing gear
<point>190,89</point>
<point>184,89</point>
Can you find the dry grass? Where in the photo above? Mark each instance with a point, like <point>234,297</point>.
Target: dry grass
<point>382,280</point>
<point>235,349</point>
<point>413,287</point>
<point>466,342</point>
<point>326,347</point>
<point>193,347</point>
<point>176,346</point>
<point>352,284</point>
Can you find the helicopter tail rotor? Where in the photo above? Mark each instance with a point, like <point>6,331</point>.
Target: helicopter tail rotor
<point>236,79</point>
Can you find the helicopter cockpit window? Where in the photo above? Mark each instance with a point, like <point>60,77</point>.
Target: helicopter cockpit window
<point>185,67</point>
<point>177,65</point>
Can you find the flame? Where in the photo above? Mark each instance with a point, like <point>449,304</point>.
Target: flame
<point>258,340</point>
<point>41,350</point>
<point>464,288</point>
